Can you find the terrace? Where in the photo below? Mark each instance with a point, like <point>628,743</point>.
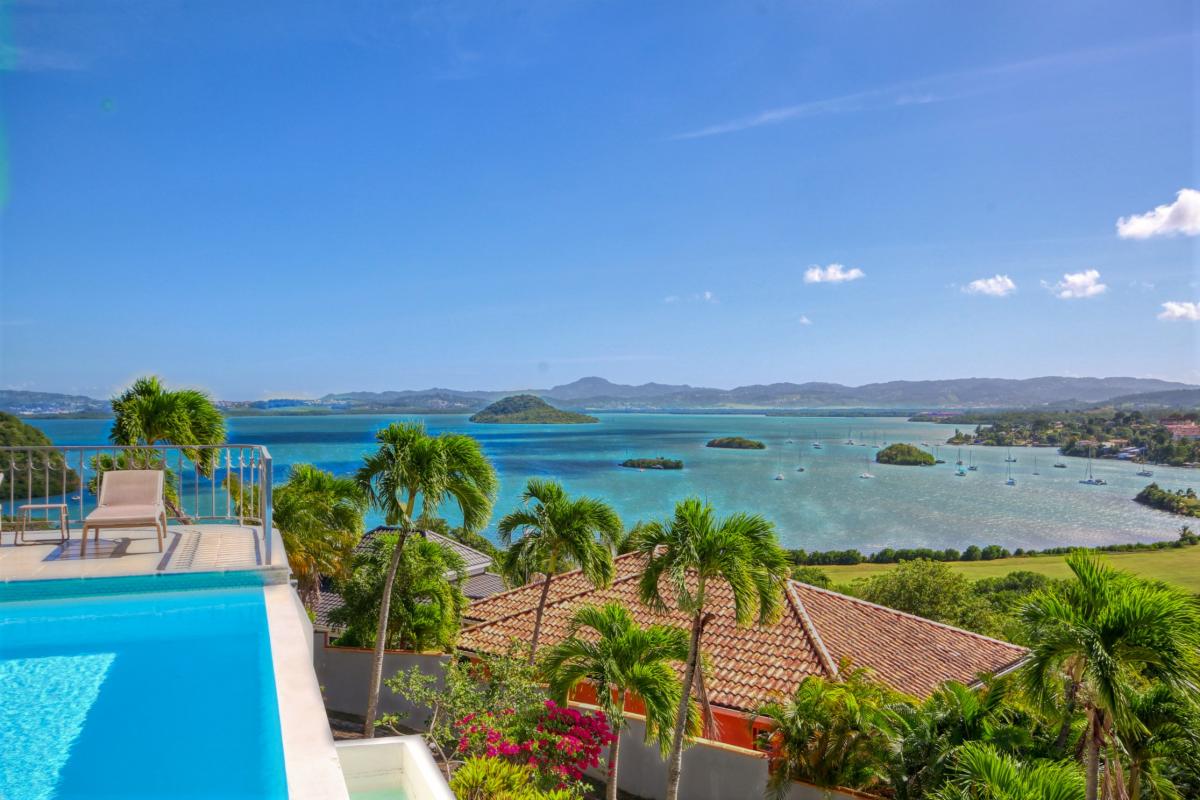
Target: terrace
<point>217,593</point>
<point>211,530</point>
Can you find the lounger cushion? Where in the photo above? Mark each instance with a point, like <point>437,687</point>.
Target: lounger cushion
<point>131,487</point>
<point>124,514</point>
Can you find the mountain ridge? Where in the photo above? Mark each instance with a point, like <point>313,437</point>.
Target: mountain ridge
<point>597,393</point>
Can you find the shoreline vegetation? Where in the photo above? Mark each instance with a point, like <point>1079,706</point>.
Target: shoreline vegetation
<point>527,409</point>
<point>1103,433</point>
<point>735,443</point>
<point>652,463</point>
<point>905,455</point>
<point>1183,502</point>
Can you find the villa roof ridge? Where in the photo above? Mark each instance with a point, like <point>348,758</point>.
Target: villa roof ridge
<point>810,630</point>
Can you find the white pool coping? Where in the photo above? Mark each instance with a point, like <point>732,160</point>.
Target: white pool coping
<point>313,769</point>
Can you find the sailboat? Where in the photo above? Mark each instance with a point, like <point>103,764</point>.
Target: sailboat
<point>1035,469</point>
<point>959,472</point>
<point>1145,471</point>
<point>779,466</point>
<point>1060,464</point>
<point>972,467</point>
<point>1010,459</point>
<point>799,456</point>
<point>936,455</point>
<point>867,472</point>
<point>1092,480</point>
<point>1011,481</point>
<point>959,462</point>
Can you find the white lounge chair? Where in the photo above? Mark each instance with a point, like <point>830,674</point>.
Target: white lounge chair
<point>129,498</point>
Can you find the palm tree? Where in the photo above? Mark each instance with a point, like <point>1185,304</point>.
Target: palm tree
<point>952,716</point>
<point>1168,726</point>
<point>148,414</point>
<point>320,519</point>
<point>410,465</point>
<point>690,551</point>
<point>426,604</point>
<point>620,659</point>
<point>832,733</point>
<point>1104,631</point>
<point>558,532</point>
<point>981,772</point>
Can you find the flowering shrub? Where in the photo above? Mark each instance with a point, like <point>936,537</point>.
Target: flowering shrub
<point>559,743</point>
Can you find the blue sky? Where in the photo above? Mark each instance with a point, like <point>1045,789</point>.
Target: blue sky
<point>297,198</point>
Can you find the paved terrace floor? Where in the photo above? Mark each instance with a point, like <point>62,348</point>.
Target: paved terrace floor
<point>134,551</point>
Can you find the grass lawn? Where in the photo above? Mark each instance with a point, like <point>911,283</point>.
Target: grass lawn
<point>1180,566</point>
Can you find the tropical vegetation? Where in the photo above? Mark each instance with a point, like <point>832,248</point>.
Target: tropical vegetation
<point>528,409</point>
<point>736,443</point>
<point>1181,501</point>
<point>557,532</point>
<point>622,662</point>
<point>905,455</point>
<point>686,553</point>
<point>424,606</point>
<point>411,470</point>
<point>319,517</point>
<point>50,471</point>
<point>148,414</point>
<point>652,463</point>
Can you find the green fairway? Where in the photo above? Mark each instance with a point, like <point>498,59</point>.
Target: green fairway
<point>1180,566</point>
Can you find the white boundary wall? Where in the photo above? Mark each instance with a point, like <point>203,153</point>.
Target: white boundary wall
<point>345,673</point>
<point>710,772</point>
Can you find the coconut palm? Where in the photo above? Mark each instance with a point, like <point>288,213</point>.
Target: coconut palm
<point>1105,631</point>
<point>832,733</point>
<point>148,414</point>
<point>411,466</point>
<point>558,532</point>
<point>620,659</point>
<point>981,772</point>
<point>687,553</point>
<point>320,519</point>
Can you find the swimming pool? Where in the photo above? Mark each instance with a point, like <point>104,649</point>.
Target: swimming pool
<point>152,695</point>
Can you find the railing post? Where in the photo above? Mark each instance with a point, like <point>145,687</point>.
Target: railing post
<point>267,478</point>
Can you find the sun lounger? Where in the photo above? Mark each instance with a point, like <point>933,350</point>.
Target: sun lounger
<point>129,498</point>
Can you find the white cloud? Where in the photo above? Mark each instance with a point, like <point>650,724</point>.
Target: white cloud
<point>1180,310</point>
<point>999,286</point>
<point>1182,216</point>
<point>834,273</point>
<point>804,320</point>
<point>699,297</point>
<point>1075,285</point>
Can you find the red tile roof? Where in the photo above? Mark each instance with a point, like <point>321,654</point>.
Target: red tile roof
<point>749,666</point>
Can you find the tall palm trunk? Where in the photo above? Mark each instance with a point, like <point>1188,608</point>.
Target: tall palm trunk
<point>614,750</point>
<point>385,611</point>
<point>1093,753</point>
<point>1135,780</point>
<point>541,609</point>
<point>1064,730</point>
<point>675,760</point>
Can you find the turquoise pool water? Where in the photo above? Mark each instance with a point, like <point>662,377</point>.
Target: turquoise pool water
<point>147,695</point>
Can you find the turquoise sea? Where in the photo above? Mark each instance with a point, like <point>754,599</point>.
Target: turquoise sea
<point>825,507</point>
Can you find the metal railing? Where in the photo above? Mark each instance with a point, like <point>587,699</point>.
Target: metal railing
<point>228,483</point>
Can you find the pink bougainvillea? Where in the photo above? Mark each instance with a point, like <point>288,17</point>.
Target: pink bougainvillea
<point>561,743</point>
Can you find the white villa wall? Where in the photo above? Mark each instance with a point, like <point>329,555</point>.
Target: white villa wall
<point>345,673</point>
<point>710,772</point>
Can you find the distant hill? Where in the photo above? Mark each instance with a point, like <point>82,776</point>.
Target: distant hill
<point>595,393</point>
<point>21,402</point>
<point>527,409</point>
<point>1176,398</point>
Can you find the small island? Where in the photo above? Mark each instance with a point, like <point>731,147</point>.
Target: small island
<point>527,409</point>
<point>652,463</point>
<point>736,443</point>
<point>1181,501</point>
<point>905,455</point>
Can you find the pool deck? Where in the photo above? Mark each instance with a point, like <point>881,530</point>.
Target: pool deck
<point>124,552</point>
